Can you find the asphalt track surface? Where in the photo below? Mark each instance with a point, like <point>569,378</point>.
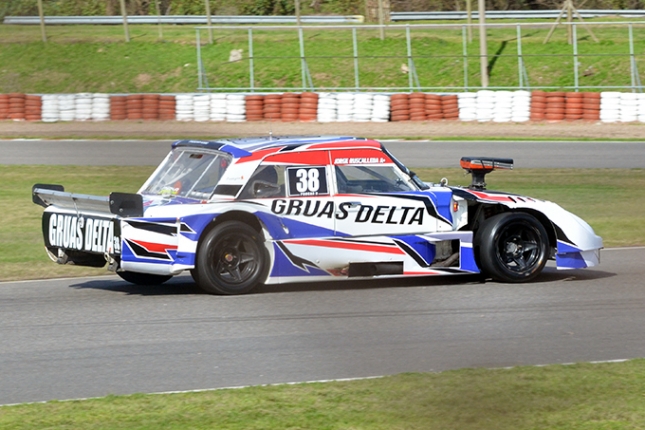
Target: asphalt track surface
<point>538,154</point>
<point>86,337</point>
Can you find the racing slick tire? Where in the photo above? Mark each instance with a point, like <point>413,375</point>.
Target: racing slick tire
<point>143,278</point>
<point>512,247</point>
<point>231,259</point>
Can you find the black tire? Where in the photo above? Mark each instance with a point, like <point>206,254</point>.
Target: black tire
<point>512,247</point>
<point>231,259</point>
<point>143,278</point>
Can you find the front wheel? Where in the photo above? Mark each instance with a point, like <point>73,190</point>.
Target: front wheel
<point>231,259</point>
<point>143,278</point>
<point>513,247</point>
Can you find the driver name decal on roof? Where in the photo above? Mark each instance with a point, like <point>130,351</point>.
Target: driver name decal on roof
<point>360,160</point>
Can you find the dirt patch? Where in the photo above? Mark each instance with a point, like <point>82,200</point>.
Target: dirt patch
<point>435,130</point>
<point>142,80</point>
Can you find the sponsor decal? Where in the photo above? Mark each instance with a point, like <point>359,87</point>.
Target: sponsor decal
<point>380,214</point>
<point>83,234</point>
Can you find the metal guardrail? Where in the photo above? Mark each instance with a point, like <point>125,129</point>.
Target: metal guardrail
<point>510,14</point>
<point>182,19</point>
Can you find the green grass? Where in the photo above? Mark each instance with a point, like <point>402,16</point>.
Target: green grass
<point>611,200</point>
<point>97,59</point>
<point>582,396</point>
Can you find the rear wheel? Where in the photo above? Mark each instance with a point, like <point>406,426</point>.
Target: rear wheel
<point>231,259</point>
<point>143,278</point>
<point>513,247</point>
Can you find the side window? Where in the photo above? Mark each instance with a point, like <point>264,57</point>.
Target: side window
<point>370,179</point>
<point>266,182</point>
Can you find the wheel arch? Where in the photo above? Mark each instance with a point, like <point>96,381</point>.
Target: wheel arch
<point>241,216</point>
<point>489,210</point>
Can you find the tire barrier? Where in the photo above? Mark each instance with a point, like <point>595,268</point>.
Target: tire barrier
<point>272,107</point>
<point>118,108</point>
<point>254,108</point>
<point>591,106</point>
<point>327,107</point>
<point>537,106</point>
<point>400,107</point>
<point>308,110</point>
<point>344,107</point>
<point>167,108</point>
<point>482,106</point>
<point>555,106</point>
<point>4,106</point>
<point>17,106</point>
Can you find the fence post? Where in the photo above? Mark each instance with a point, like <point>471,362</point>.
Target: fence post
<point>632,58</point>
<point>208,21</point>
<point>125,21</point>
<point>574,34</point>
<point>520,60</point>
<point>200,78</point>
<point>464,51</point>
<point>251,70</point>
<point>409,46</point>
<point>303,62</point>
<point>42,21</point>
<point>355,44</point>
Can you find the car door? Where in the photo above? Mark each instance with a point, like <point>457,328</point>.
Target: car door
<point>373,197</point>
<point>295,188</point>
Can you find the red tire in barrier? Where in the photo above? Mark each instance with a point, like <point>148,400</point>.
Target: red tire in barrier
<point>574,105</point>
<point>399,118</point>
<point>307,118</point>
<point>310,96</point>
<point>434,116</point>
<point>434,110</point>
<point>554,117</point>
<point>307,105</point>
<point>591,117</point>
<point>538,105</point>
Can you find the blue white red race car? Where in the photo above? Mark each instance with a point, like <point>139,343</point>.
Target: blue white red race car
<point>238,213</point>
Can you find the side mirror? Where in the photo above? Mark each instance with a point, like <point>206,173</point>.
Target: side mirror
<point>265,189</point>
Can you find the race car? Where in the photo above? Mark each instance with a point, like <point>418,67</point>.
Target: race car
<point>238,213</point>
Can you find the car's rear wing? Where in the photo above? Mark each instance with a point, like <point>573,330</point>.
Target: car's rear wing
<point>122,204</point>
<point>479,167</point>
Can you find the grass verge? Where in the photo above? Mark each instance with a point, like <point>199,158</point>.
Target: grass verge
<point>96,58</point>
<point>581,396</point>
<point>611,200</point>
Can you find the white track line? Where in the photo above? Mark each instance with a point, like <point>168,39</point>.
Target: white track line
<point>320,381</point>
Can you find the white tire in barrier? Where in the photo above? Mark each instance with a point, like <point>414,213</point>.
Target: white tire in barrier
<point>345,96</point>
<point>235,97</point>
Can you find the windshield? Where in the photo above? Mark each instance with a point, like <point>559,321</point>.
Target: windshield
<point>188,172</point>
